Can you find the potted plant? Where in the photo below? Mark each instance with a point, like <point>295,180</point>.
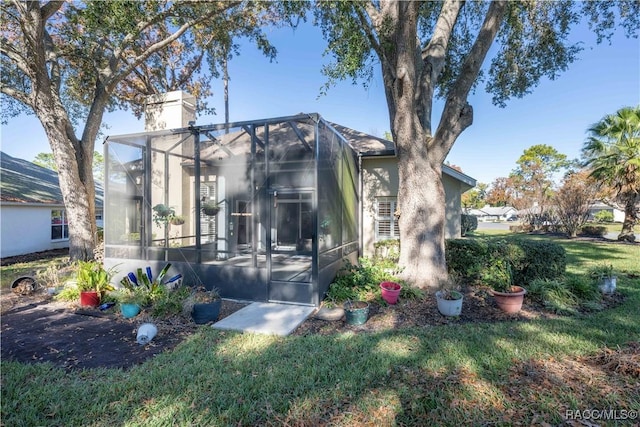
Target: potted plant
<point>390,291</point>
<point>210,208</point>
<point>202,305</point>
<point>176,220</point>
<point>498,276</point>
<point>449,297</point>
<point>93,282</point>
<point>162,214</point>
<point>356,312</point>
<point>605,276</point>
<point>131,301</point>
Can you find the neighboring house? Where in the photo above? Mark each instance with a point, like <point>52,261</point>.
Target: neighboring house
<point>297,196</point>
<point>32,214</point>
<point>618,214</point>
<point>497,213</point>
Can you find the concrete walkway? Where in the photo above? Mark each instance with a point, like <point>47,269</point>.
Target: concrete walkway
<point>266,318</point>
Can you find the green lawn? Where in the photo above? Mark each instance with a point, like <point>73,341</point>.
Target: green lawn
<point>460,374</point>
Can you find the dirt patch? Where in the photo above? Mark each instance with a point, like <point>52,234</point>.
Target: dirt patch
<point>38,329</point>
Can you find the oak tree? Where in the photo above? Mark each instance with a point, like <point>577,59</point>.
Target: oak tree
<point>429,49</point>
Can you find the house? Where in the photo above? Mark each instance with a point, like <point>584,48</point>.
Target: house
<point>32,214</point>
<point>295,197</point>
<point>491,213</point>
<point>599,206</point>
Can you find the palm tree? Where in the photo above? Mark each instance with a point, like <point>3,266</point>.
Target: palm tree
<point>612,154</point>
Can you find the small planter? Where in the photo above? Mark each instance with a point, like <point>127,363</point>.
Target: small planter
<point>390,291</point>
<point>356,312</point>
<point>449,307</point>
<point>176,221</point>
<point>89,298</point>
<point>206,312</point>
<point>24,285</point>
<point>510,302</point>
<point>129,310</point>
<point>210,210</point>
<point>608,285</point>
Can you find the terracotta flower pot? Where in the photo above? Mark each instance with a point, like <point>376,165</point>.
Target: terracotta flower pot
<point>390,291</point>
<point>510,302</point>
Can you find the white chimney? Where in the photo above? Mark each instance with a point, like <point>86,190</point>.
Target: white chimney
<point>171,110</point>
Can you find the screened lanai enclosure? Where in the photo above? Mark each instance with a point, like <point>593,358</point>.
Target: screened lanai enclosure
<point>263,210</point>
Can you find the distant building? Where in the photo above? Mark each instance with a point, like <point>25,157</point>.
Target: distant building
<point>32,213</point>
<point>497,213</point>
<point>599,206</point>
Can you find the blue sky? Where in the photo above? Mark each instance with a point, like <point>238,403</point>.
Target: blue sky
<point>558,113</point>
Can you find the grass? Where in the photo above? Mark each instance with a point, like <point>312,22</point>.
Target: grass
<point>11,272</point>
<point>459,374</point>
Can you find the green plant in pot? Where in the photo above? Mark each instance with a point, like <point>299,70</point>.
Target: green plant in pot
<point>498,275</point>
<point>209,208</point>
<point>131,301</point>
<point>203,305</point>
<point>448,297</point>
<point>162,214</point>
<point>177,220</point>
<point>605,276</point>
<point>93,281</point>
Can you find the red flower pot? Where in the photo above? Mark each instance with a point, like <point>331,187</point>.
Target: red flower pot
<point>390,291</point>
<point>89,299</point>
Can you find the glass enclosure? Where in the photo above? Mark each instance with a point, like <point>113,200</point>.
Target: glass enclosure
<point>263,210</point>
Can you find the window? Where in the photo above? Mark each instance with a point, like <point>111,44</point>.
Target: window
<point>59,225</point>
<point>386,222</point>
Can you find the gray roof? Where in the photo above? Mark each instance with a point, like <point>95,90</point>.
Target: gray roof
<point>372,146</point>
<point>22,181</point>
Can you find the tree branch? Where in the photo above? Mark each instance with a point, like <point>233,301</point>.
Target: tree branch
<point>458,114</point>
<point>111,78</point>
<point>49,9</point>
<point>433,59</point>
<point>18,95</point>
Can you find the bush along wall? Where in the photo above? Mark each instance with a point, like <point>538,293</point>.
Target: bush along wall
<point>528,259</point>
<point>468,224</point>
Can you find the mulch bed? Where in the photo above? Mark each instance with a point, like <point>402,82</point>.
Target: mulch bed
<point>38,329</point>
<point>41,330</point>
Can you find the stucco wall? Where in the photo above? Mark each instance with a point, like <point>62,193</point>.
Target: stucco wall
<point>380,179</point>
<point>26,229</point>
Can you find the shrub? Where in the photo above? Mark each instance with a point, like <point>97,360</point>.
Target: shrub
<point>538,260</point>
<point>466,257</point>
<point>358,282</point>
<point>387,250</point>
<point>603,216</point>
<point>468,223</point>
<point>554,294</point>
<point>527,259</point>
<point>594,231</point>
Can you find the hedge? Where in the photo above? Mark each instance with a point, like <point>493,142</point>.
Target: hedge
<point>468,223</point>
<point>528,259</point>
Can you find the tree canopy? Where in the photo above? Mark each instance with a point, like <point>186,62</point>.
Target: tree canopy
<point>69,62</point>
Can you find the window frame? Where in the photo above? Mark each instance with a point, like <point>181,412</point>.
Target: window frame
<point>394,230</point>
<point>59,221</point>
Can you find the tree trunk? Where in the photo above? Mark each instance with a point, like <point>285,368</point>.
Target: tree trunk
<point>421,201</point>
<point>76,180</point>
<point>630,219</point>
